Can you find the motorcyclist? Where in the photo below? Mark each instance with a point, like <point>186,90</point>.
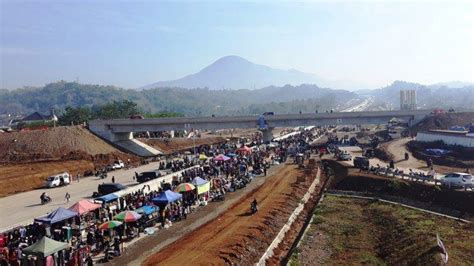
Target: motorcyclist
<point>253,206</point>
<point>44,197</point>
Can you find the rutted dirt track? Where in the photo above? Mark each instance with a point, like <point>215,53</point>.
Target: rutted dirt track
<point>236,237</point>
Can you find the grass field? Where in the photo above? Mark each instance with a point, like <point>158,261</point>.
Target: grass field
<point>356,231</point>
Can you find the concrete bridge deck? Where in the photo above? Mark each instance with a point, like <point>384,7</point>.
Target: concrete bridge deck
<point>122,129</point>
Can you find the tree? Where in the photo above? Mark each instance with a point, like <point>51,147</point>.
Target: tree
<point>75,116</point>
<point>114,110</point>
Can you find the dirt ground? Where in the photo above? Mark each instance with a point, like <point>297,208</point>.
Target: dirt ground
<point>347,231</point>
<point>54,143</point>
<point>236,237</point>
<point>180,144</point>
<point>24,177</point>
<point>28,157</point>
<point>444,121</point>
<point>396,149</point>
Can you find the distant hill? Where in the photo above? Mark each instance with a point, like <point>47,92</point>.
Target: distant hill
<point>234,72</point>
<point>191,102</point>
<point>431,96</point>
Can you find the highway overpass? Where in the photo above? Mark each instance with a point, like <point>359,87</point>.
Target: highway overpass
<point>119,130</point>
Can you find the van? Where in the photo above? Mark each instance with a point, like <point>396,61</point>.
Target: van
<point>62,179</point>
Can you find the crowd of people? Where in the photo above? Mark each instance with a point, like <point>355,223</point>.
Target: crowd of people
<point>87,240</point>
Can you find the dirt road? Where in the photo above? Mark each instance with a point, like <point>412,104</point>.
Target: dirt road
<point>236,237</point>
<point>396,148</point>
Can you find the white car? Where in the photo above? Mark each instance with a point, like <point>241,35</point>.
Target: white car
<point>62,179</point>
<point>118,165</point>
<point>463,180</point>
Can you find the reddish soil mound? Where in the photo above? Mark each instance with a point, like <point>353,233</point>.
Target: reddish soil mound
<point>31,156</point>
<point>236,237</point>
<point>180,144</point>
<point>54,143</point>
<point>444,121</point>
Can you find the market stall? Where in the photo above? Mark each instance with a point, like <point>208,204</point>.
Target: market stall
<point>47,252</point>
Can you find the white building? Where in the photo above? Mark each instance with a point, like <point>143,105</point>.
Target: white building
<point>449,137</point>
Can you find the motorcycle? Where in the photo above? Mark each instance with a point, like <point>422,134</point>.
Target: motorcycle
<point>253,208</point>
<point>45,200</point>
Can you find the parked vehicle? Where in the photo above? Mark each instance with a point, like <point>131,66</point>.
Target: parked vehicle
<point>369,153</point>
<point>361,162</point>
<point>62,179</point>
<point>147,176</point>
<point>117,165</point>
<point>453,180</point>
<point>344,156</point>
<point>107,188</point>
<point>137,116</point>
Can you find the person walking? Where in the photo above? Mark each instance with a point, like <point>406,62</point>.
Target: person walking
<point>67,196</point>
<point>113,179</point>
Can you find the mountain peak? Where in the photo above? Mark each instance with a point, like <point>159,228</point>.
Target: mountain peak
<point>231,59</point>
<point>235,72</point>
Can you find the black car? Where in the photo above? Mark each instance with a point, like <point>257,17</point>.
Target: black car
<point>147,176</point>
<point>361,162</point>
<point>269,113</point>
<point>107,188</point>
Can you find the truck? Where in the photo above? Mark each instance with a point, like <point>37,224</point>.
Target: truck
<point>57,180</point>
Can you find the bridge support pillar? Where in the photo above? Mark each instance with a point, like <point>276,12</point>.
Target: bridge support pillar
<point>267,134</point>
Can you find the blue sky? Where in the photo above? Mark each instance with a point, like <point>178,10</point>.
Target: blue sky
<point>131,44</point>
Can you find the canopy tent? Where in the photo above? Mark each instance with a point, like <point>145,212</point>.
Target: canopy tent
<point>107,198</point>
<point>197,181</point>
<point>184,187</point>
<point>60,214</point>
<point>202,157</point>
<point>84,206</point>
<point>221,157</point>
<point>167,197</point>
<point>147,209</point>
<point>244,150</point>
<point>202,185</point>
<point>45,247</point>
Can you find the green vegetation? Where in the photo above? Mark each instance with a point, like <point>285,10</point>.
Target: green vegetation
<point>113,110</point>
<point>190,102</point>
<point>370,232</point>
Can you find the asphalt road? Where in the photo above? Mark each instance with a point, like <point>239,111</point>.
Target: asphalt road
<point>24,207</point>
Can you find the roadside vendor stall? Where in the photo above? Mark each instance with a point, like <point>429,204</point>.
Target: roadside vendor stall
<point>166,197</point>
<point>58,224</point>
<point>150,215</point>
<point>46,251</point>
<point>244,150</point>
<point>221,158</point>
<point>202,185</point>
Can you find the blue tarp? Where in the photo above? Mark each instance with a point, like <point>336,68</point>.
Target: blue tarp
<point>60,214</point>
<point>167,197</point>
<point>147,209</point>
<point>107,198</point>
<point>197,181</point>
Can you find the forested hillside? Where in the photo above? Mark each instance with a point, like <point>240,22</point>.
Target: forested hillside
<point>286,99</point>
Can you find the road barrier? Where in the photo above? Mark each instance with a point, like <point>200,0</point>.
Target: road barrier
<point>269,252</point>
